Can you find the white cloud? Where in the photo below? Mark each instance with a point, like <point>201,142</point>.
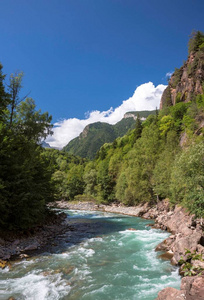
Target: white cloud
<point>145,97</point>
<point>168,74</point>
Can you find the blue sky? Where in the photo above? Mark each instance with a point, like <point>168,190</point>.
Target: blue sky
<point>85,55</point>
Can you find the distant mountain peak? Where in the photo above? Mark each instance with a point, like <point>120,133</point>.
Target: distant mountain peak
<point>96,134</point>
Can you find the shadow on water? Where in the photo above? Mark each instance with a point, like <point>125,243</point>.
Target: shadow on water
<point>83,226</point>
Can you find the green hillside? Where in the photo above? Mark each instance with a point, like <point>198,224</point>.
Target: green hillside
<point>96,134</point>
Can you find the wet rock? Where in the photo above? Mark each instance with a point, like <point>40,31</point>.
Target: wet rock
<point>23,255</point>
<point>165,245</point>
<point>68,270</point>
<point>167,255</point>
<point>6,256</point>
<point>33,246</point>
<point>132,229</point>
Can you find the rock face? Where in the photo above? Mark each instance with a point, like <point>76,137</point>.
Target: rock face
<point>186,81</point>
<point>186,233</point>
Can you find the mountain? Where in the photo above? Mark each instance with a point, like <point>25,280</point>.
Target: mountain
<point>95,135</point>
<point>45,145</point>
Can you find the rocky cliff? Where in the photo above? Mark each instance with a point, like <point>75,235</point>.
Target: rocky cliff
<point>188,81</point>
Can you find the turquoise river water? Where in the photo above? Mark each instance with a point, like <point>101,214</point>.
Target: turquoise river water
<point>99,259</point>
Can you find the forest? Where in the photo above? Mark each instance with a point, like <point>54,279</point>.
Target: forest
<point>162,157</point>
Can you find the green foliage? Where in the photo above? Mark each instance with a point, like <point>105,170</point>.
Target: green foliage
<point>138,128</point>
<point>67,173</point>
<point>178,97</point>
<point>196,41</point>
<point>187,179</point>
<point>25,176</point>
<point>134,185</point>
<point>75,182</point>
<point>163,167</point>
<point>176,77</point>
<point>187,266</point>
<point>105,183</point>
<point>4,99</point>
<point>166,97</point>
<point>166,124</point>
<point>90,181</point>
<point>97,134</point>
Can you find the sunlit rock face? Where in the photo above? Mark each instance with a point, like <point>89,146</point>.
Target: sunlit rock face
<point>185,82</point>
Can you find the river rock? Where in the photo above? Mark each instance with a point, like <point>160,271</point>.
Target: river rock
<point>193,287</point>
<point>182,243</point>
<point>23,255</point>
<point>170,293</point>
<point>33,246</point>
<point>166,244</point>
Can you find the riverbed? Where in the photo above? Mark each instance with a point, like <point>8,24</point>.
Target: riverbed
<point>104,256</point>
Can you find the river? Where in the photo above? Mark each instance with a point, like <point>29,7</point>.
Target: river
<point>101,258</point>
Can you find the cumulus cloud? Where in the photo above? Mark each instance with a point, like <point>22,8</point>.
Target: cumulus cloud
<point>145,97</point>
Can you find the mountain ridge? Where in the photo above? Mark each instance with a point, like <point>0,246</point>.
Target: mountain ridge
<point>96,134</point>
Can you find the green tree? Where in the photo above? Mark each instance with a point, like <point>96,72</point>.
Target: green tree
<point>14,88</point>
<point>187,179</point>
<point>32,123</point>
<point>25,177</point>
<point>164,164</point>
<point>90,179</point>
<point>4,98</point>
<point>75,182</point>
<point>138,128</point>
<point>196,41</point>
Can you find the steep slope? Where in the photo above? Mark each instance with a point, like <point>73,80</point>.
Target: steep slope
<point>188,81</point>
<point>91,139</point>
<point>96,134</point>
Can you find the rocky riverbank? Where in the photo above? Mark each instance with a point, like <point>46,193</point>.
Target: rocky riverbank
<point>186,233</point>
<point>14,245</point>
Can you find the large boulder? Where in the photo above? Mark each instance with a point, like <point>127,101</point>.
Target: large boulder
<point>182,243</point>
<point>193,287</point>
<point>170,293</point>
